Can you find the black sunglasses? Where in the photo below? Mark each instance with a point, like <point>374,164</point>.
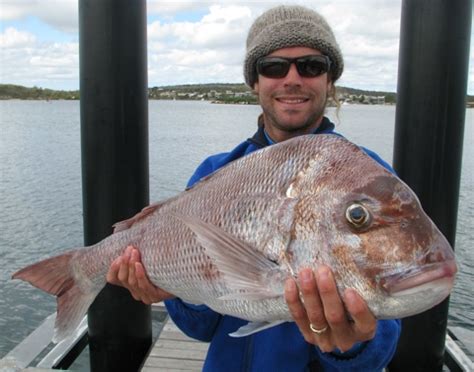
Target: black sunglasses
<point>307,66</point>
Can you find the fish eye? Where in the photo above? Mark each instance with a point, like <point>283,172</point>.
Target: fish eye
<point>357,215</point>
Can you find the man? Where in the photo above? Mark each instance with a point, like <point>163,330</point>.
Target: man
<point>292,62</point>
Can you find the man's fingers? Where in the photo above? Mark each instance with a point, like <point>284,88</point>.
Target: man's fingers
<point>153,293</point>
<point>312,300</point>
<point>365,323</point>
<point>334,312</point>
<point>113,271</point>
<point>319,330</point>
<point>297,309</point>
<point>124,268</point>
<point>295,306</point>
<point>140,273</point>
<point>127,271</point>
<point>137,254</point>
<point>134,258</point>
<point>143,282</point>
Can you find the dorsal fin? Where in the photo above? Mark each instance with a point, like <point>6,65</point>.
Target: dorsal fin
<point>126,224</point>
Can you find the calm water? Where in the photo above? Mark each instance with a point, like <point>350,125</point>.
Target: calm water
<point>40,185</point>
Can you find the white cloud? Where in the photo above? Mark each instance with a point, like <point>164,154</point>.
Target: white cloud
<point>26,61</point>
<point>59,14</point>
<point>12,38</point>
<point>209,46</point>
<point>368,34</point>
<point>16,9</point>
<point>172,7</point>
<point>208,50</point>
<point>220,28</point>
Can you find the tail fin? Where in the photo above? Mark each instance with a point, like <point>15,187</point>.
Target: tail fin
<point>55,275</point>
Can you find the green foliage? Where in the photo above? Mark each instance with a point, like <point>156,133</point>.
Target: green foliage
<point>218,93</point>
<point>9,91</point>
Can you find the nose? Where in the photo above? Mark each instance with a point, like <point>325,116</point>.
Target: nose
<point>292,77</point>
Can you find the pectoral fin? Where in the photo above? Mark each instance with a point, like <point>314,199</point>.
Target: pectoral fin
<point>243,267</point>
<point>254,327</point>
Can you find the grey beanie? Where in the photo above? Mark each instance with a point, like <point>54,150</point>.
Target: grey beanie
<point>290,26</point>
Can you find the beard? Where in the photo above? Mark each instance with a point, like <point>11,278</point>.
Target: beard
<point>294,121</point>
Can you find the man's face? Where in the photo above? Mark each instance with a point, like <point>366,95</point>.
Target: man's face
<point>292,105</point>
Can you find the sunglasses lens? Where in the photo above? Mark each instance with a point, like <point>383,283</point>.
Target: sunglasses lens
<point>273,67</point>
<point>312,66</point>
<point>308,66</point>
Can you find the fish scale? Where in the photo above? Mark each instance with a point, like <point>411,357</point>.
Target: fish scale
<point>232,240</point>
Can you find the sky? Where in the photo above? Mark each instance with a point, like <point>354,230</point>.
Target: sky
<point>191,42</point>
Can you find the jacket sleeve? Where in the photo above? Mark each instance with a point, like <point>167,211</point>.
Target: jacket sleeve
<point>196,321</point>
<point>373,355</point>
<point>378,159</point>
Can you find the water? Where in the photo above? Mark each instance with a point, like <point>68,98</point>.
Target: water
<point>40,185</point>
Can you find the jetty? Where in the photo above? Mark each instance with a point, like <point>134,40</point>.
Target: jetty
<point>174,351</point>
<point>171,350</point>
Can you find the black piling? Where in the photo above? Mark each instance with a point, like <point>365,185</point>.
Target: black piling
<point>430,115</point>
<point>114,134</point>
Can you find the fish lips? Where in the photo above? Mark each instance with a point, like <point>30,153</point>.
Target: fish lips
<point>437,276</point>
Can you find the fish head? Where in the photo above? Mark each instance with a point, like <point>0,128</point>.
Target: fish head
<point>387,244</point>
<point>370,228</point>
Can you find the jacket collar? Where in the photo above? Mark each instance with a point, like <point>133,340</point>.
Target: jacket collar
<point>260,140</point>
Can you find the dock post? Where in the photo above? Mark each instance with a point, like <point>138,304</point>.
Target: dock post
<point>114,144</point>
<point>429,129</point>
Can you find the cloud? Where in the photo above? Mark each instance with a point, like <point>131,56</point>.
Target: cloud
<point>170,8</point>
<point>26,61</point>
<point>208,50</point>
<point>368,35</point>
<point>12,38</point>
<point>221,28</point>
<point>203,41</point>
<point>61,15</point>
<point>17,9</point>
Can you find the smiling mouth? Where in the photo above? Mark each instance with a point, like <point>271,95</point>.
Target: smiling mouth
<point>292,100</point>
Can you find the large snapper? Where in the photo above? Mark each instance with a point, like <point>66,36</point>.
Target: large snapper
<point>233,239</point>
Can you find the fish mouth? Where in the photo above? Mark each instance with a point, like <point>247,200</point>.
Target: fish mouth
<point>438,276</point>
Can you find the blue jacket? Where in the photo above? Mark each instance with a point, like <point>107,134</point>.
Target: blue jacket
<point>280,348</point>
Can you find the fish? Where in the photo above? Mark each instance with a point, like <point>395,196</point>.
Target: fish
<point>233,239</point>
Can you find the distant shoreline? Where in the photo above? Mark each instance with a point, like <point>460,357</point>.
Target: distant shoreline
<point>215,93</point>
<point>183,100</point>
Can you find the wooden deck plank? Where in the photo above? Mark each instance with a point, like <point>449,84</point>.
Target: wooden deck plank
<point>178,354</point>
<point>173,351</point>
<point>178,335</point>
<point>174,363</point>
<point>157,364</point>
<point>180,345</point>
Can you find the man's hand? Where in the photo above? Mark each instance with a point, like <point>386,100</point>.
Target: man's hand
<point>128,271</point>
<point>321,316</point>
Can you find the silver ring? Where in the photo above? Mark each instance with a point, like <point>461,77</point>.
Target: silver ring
<point>318,331</point>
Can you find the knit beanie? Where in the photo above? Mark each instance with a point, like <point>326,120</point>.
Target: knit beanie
<point>290,26</point>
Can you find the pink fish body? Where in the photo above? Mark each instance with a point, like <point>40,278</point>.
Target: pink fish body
<point>232,240</point>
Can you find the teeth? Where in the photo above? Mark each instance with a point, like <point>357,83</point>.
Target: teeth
<point>295,100</point>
